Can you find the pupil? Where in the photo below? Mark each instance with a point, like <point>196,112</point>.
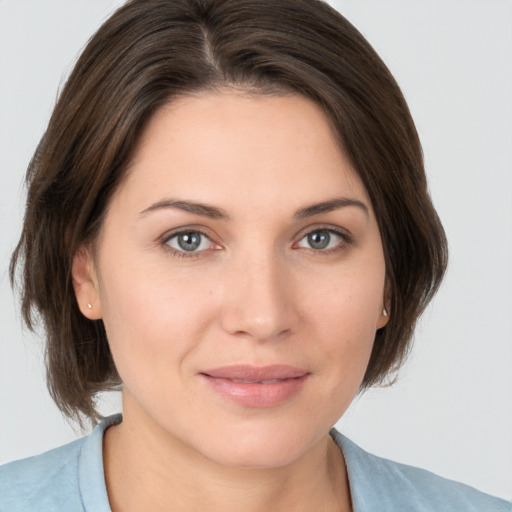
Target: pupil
<point>189,241</point>
<point>319,239</point>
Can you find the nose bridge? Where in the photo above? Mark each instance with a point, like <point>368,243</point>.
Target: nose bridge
<point>258,295</point>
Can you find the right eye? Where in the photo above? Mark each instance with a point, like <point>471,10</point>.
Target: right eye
<point>188,242</point>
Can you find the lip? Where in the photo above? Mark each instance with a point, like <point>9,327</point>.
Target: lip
<point>256,386</point>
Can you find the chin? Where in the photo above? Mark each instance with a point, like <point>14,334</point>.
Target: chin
<point>255,458</point>
<point>258,448</point>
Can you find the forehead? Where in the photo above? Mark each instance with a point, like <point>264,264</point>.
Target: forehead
<point>240,148</point>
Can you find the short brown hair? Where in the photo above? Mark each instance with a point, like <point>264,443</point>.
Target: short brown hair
<point>151,51</point>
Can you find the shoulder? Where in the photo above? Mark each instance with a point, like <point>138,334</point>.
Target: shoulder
<point>383,485</point>
<point>69,478</point>
<point>45,482</point>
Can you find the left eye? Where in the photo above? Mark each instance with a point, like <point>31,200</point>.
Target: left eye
<point>321,239</point>
<point>189,241</point>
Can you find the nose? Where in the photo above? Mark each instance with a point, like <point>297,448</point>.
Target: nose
<point>259,300</point>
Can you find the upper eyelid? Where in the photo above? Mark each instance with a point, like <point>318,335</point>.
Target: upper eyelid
<point>178,231</point>
<point>338,230</point>
<point>346,239</point>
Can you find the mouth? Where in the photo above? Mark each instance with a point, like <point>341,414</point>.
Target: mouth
<point>253,386</point>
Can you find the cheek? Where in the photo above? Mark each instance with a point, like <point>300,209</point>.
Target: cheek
<point>345,316</point>
<point>152,318</point>
<point>350,304</point>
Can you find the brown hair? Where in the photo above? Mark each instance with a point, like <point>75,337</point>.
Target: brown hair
<point>151,51</point>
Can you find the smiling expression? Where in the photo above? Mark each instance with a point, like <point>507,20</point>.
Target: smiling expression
<point>240,276</point>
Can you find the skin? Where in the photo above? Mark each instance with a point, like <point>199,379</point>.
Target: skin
<point>255,292</point>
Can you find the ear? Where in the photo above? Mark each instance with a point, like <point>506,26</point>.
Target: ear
<point>85,284</point>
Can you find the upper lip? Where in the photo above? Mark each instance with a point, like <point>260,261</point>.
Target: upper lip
<point>256,373</point>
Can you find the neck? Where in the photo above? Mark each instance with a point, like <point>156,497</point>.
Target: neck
<point>147,469</point>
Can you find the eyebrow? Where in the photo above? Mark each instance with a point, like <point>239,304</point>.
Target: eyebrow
<point>204,210</point>
<point>213,212</point>
<point>329,206</point>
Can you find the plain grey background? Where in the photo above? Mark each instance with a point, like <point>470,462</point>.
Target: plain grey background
<point>451,409</point>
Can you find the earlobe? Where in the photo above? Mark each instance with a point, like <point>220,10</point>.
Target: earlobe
<point>85,284</point>
<point>385,312</point>
<point>383,318</point>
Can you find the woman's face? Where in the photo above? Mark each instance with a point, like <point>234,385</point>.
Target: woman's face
<point>240,276</point>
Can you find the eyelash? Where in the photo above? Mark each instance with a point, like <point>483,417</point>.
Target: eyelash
<point>182,254</point>
<point>346,241</point>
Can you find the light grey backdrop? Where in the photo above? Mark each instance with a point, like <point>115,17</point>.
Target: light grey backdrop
<point>451,410</point>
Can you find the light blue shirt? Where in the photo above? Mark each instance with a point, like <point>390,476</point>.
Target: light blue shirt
<point>71,479</point>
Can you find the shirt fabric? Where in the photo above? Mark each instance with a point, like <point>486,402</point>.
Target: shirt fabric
<point>71,479</point>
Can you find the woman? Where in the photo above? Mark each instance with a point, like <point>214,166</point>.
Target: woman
<point>228,214</point>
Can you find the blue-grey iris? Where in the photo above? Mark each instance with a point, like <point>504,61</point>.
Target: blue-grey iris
<point>319,239</point>
<point>189,241</point>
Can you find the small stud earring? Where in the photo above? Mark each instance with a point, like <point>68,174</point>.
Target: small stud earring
<point>89,306</point>
<point>384,311</point>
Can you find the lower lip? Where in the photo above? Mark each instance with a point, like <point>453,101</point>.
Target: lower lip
<point>257,394</point>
